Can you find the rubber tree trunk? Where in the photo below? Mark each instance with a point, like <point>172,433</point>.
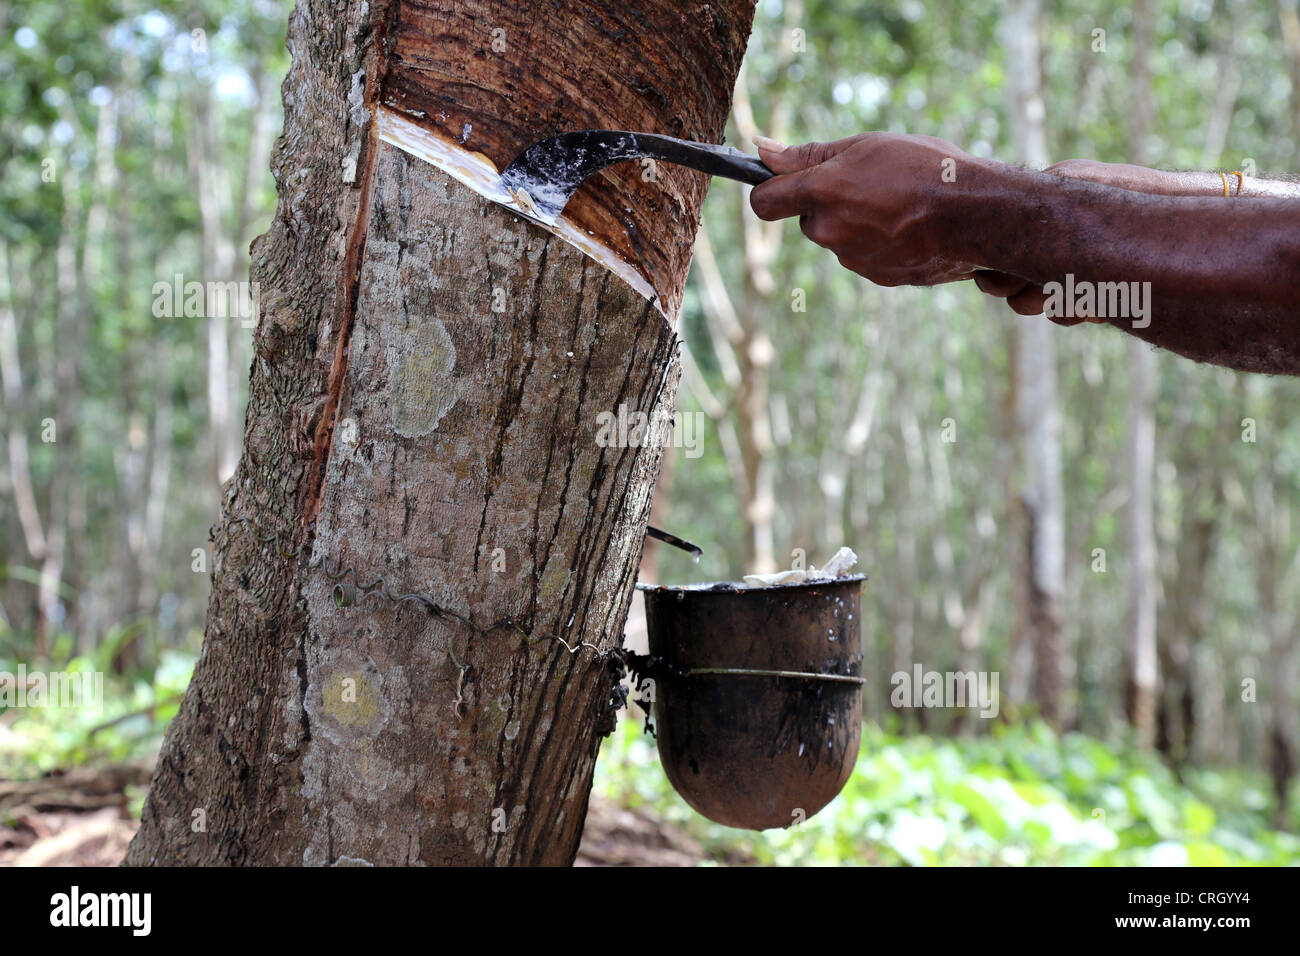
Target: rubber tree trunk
<point>426,398</point>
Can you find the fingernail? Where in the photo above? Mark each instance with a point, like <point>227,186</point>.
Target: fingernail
<point>769,144</point>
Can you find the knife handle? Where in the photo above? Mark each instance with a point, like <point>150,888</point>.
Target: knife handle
<point>706,157</point>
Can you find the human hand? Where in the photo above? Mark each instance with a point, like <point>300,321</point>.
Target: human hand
<point>881,203</point>
<point>876,200</point>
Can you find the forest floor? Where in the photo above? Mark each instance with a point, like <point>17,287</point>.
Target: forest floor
<point>82,819</point>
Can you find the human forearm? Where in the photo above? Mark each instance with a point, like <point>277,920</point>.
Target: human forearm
<point>1224,274</point>
<point>1235,185</point>
<point>1218,277</point>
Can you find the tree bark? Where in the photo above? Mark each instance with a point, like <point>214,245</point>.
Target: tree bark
<point>429,370</point>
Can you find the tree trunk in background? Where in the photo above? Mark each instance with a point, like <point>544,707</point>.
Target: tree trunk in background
<point>16,421</point>
<point>1282,651</point>
<point>1183,624</point>
<point>739,331</point>
<point>1289,13</point>
<point>1140,651</point>
<point>1038,411</point>
<point>744,352</point>
<point>213,193</point>
<point>18,599</point>
<point>65,515</point>
<point>400,425</point>
<point>1229,81</point>
<point>155,512</point>
<point>1141,663</point>
<point>1020,650</point>
<point>1274,576</point>
<point>911,464</point>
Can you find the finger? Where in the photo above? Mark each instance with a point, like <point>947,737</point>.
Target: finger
<point>787,193</point>
<point>1029,302</point>
<point>999,284</point>
<point>814,228</point>
<point>781,158</point>
<point>783,196</point>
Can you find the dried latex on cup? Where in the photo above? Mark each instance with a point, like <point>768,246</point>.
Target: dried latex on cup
<point>840,564</point>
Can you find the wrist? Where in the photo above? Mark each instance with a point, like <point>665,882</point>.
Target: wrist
<point>988,215</point>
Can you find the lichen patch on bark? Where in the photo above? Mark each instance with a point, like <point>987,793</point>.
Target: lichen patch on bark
<point>424,387</point>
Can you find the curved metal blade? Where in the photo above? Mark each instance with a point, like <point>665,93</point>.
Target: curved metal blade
<point>668,538</point>
<point>543,177</point>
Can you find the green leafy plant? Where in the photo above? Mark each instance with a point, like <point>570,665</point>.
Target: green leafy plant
<point>1022,795</point>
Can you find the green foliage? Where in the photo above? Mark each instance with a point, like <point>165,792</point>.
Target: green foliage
<point>108,110</point>
<point>1021,795</point>
<point>129,726</point>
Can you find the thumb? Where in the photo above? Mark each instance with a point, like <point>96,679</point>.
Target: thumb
<point>781,158</point>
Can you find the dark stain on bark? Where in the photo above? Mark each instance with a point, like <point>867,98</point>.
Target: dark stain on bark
<point>522,349</point>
